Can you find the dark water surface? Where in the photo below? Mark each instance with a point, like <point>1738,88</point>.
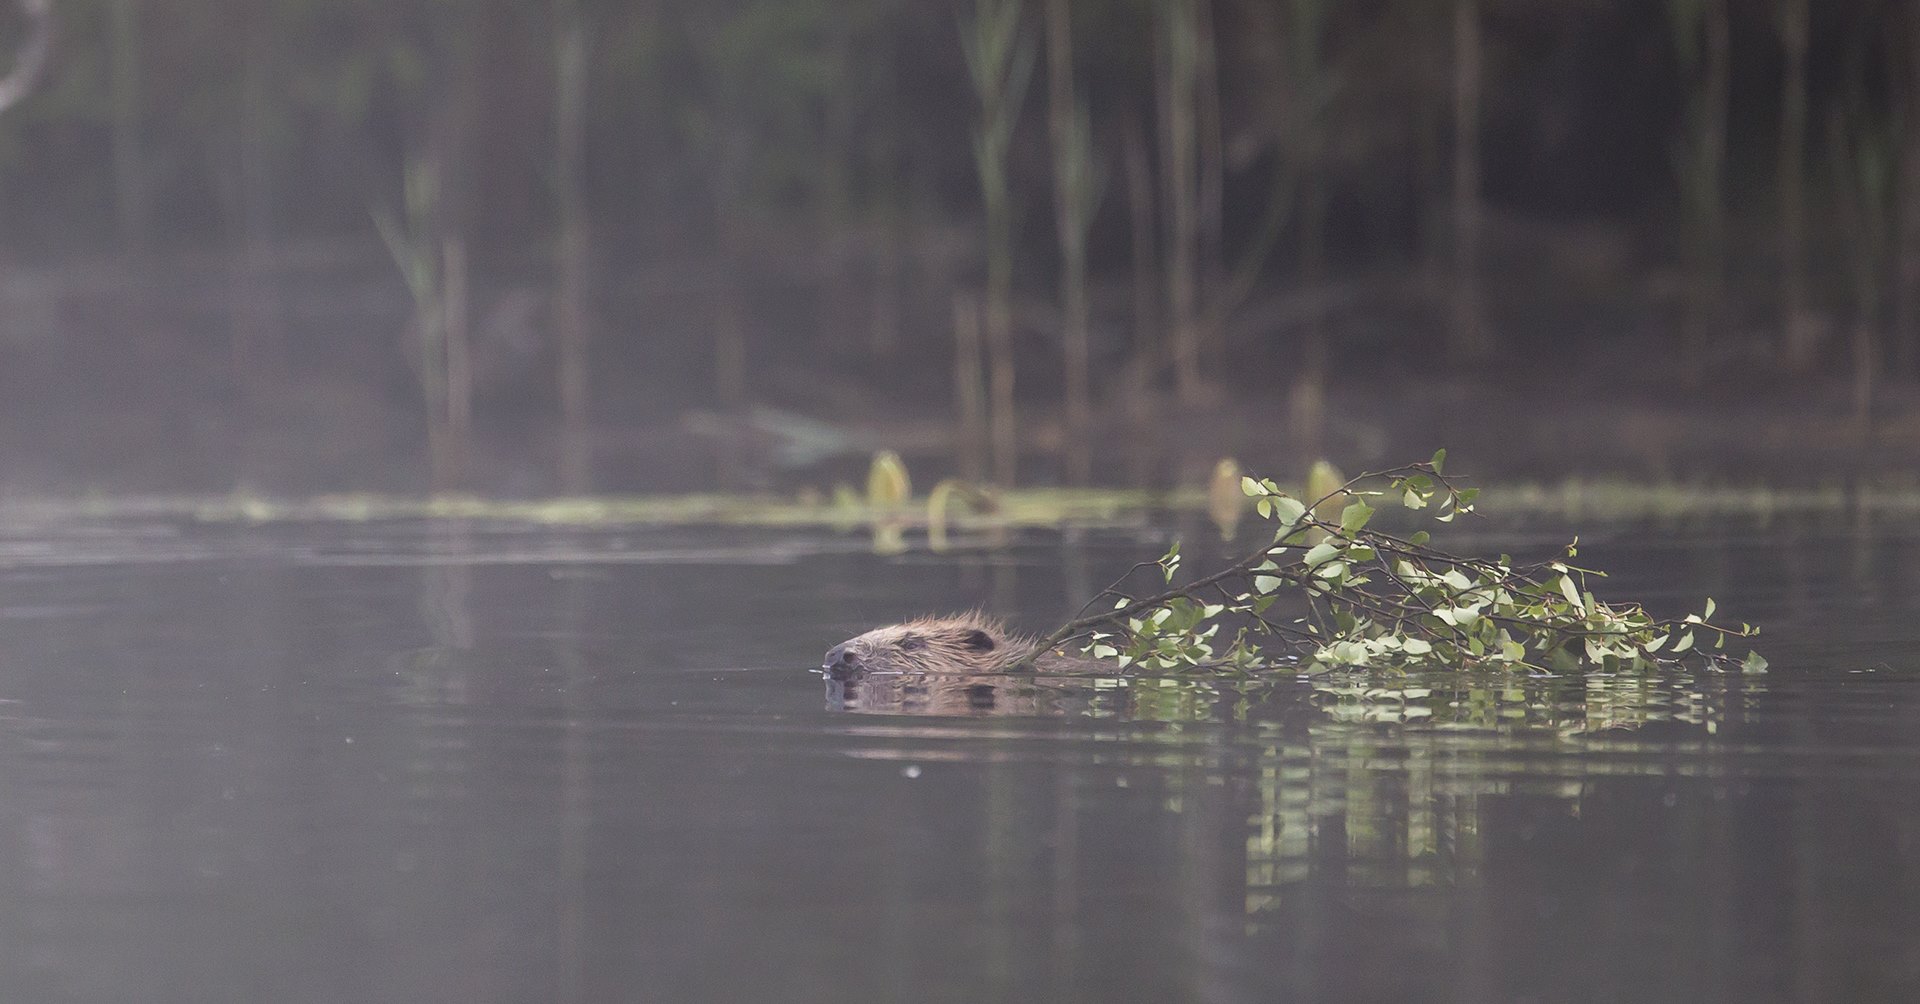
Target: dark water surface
<point>411,763</point>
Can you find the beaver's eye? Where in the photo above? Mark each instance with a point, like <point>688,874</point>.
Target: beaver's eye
<point>979,641</point>
<point>912,642</point>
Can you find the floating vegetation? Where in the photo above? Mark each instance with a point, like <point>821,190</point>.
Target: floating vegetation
<point>1226,503</point>
<point>888,491</point>
<point>1374,599</point>
<point>844,508</point>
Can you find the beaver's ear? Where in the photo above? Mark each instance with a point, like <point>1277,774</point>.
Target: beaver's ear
<point>977,640</point>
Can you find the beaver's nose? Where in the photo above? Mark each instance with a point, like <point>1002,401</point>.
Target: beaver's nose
<point>842,659</point>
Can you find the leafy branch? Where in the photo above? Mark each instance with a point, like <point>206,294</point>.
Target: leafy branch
<point>1380,600</point>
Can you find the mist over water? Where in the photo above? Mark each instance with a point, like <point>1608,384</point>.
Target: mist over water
<point>428,431</point>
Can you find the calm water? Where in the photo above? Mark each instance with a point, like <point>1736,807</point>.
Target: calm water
<point>411,763</point>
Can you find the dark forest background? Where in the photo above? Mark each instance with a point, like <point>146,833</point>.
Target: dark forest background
<point>521,247</point>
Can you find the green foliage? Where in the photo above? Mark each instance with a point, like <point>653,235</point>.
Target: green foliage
<point>1226,504</point>
<point>1366,598</point>
<point>888,486</point>
<point>940,504</point>
<point>888,490</point>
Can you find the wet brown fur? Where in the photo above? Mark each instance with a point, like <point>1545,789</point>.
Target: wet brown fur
<point>959,645</point>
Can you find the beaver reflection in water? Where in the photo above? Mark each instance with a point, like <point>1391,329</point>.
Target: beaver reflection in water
<point>961,645</point>
<point>961,665</point>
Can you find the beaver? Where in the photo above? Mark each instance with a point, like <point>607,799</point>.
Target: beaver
<point>968,644</point>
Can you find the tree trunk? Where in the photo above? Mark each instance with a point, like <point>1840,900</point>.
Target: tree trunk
<point>1428,192</point>
<point>1148,353</point>
<point>255,339</point>
<point>970,388</point>
<point>1796,328</point>
<point>729,347</point>
<point>1906,288</point>
<point>451,468</point>
<point>1179,135</point>
<point>572,265</point>
<point>1703,189</point>
<point>883,316</point>
<point>129,159</point>
<point>728,317</point>
<point>1313,249</point>
<point>1079,354</point>
<point>999,59</point>
<point>452,138</point>
<point>729,326</point>
<point>1864,207</point>
<point>1866,376</point>
<point>1868,261</point>
<point>1469,337</point>
<point>1071,152</point>
<point>1719,93</point>
<point>1211,186</point>
<point>1000,372</point>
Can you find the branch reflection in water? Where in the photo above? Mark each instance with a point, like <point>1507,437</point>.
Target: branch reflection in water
<point>1376,781</point>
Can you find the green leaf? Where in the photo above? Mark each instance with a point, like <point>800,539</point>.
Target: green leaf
<point>1355,517</point>
<point>1753,664</point>
<point>1498,614</point>
<point>1288,510</point>
<point>1571,592</point>
<point>1439,459</point>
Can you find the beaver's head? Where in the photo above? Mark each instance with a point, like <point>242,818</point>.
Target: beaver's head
<point>966,643</point>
